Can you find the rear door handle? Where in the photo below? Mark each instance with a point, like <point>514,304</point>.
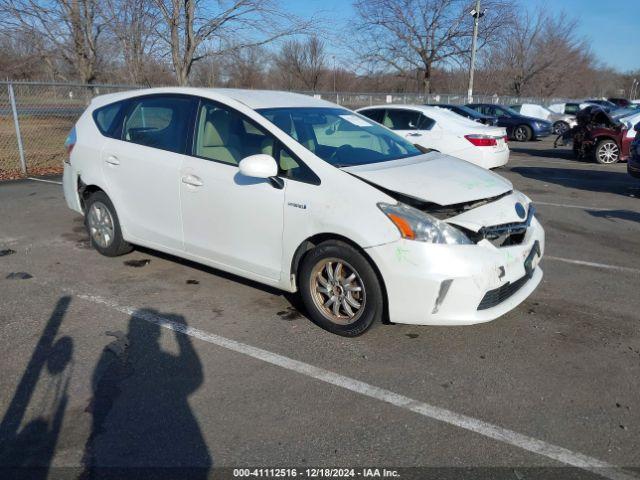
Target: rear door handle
<point>112,160</point>
<point>192,180</point>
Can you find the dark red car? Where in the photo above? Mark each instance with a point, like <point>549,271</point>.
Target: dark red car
<point>599,136</point>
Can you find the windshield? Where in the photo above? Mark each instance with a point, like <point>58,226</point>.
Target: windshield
<point>469,111</point>
<point>623,112</point>
<point>340,137</point>
<point>507,112</point>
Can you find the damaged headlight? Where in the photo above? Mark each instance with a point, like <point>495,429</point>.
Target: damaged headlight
<point>417,225</point>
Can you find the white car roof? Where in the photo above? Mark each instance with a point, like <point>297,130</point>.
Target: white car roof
<point>254,99</point>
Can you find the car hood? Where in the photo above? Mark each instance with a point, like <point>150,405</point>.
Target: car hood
<point>434,178</point>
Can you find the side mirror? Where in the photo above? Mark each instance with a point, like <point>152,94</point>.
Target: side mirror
<point>259,166</point>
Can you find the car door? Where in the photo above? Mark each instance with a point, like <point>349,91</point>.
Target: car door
<point>141,169</point>
<point>229,220</point>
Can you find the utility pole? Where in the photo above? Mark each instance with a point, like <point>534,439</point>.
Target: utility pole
<point>476,19</point>
<point>334,73</point>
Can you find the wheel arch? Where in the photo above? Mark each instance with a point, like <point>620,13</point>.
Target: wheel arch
<point>85,190</point>
<point>598,138</point>
<point>313,241</point>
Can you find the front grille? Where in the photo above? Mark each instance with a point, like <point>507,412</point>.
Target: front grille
<point>498,295</point>
<point>505,235</point>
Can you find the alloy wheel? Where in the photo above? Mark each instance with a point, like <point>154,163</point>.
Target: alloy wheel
<point>100,224</point>
<point>520,134</point>
<point>608,152</point>
<point>337,291</point>
<point>561,128</point>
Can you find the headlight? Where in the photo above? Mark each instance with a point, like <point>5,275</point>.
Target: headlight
<point>416,225</point>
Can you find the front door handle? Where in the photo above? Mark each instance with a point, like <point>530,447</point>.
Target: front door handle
<point>112,160</point>
<point>192,180</point>
<point>414,134</point>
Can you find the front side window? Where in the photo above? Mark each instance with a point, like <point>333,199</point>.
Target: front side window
<point>483,109</point>
<point>340,137</point>
<point>425,123</point>
<point>160,122</point>
<point>224,135</point>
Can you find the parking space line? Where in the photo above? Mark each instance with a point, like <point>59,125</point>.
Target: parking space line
<point>465,422</point>
<point>43,180</point>
<point>593,264</point>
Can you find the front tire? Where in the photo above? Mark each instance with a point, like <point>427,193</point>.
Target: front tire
<point>522,133</point>
<point>607,152</point>
<point>560,127</point>
<point>340,289</point>
<point>103,226</point>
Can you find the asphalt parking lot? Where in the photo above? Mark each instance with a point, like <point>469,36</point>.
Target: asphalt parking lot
<point>150,361</point>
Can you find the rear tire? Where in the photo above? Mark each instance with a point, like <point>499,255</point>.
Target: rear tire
<point>340,289</point>
<point>607,152</point>
<point>103,226</point>
<point>522,133</point>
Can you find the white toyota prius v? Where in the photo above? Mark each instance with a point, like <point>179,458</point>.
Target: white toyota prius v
<point>304,195</point>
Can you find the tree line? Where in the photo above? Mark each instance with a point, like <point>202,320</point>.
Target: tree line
<point>387,46</point>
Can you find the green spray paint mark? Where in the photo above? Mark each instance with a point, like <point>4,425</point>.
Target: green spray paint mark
<point>402,256</point>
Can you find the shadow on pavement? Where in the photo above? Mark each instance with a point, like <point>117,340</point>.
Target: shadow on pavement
<point>142,424</point>
<point>27,452</point>
<point>628,215</point>
<point>555,153</point>
<point>590,180</point>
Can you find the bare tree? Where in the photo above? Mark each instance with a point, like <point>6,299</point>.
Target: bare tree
<point>194,29</point>
<point>301,63</point>
<point>133,23</point>
<point>415,35</point>
<point>245,68</point>
<point>538,54</point>
<point>70,27</point>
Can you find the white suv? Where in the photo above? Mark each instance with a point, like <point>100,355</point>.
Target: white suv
<point>303,195</point>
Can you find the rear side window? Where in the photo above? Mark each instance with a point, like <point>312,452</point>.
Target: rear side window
<point>425,123</point>
<point>106,118</point>
<point>571,108</point>
<point>160,122</point>
<point>401,119</point>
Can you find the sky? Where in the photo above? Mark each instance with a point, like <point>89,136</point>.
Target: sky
<point>611,26</point>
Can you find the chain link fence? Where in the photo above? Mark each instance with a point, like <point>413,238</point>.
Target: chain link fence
<point>36,117</point>
<point>359,100</point>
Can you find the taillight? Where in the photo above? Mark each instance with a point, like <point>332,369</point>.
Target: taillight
<point>69,143</point>
<point>482,140</point>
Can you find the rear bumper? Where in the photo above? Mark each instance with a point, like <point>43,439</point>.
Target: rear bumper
<point>453,284</point>
<point>70,188</point>
<point>485,157</point>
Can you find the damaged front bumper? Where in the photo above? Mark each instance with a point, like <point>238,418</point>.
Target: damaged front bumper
<point>430,284</point>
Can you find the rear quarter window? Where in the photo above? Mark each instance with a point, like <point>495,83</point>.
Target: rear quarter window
<point>106,118</point>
